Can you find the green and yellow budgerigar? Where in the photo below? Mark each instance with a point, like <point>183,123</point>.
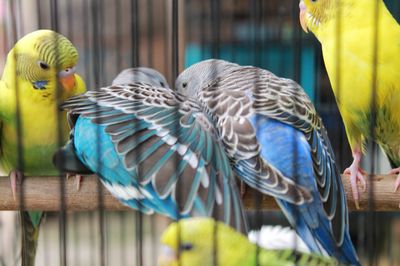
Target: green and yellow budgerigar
<point>192,242</point>
<point>39,68</point>
<point>355,34</point>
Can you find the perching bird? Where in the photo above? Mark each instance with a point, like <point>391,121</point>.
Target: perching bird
<point>364,91</point>
<point>205,242</point>
<point>272,134</point>
<point>39,69</point>
<point>152,151</point>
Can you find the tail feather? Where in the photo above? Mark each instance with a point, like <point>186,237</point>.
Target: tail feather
<point>29,238</point>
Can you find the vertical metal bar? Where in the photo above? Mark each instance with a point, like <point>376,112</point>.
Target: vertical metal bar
<point>167,68</point>
<point>215,25</point>
<point>39,14</point>
<point>86,15</point>
<point>189,19</point>
<point>215,28</point>
<point>372,255</point>
<point>19,129</point>
<point>203,32</point>
<point>297,47</point>
<point>118,39</point>
<point>62,220</point>
<point>233,31</point>
<point>86,42</point>
<point>70,15</point>
<point>135,32</point>
<point>97,69</point>
<point>255,14</point>
<point>150,33</point>
<point>175,71</point>
<point>175,40</point>
<point>118,63</point>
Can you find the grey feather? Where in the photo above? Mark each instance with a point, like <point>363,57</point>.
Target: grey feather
<point>141,75</point>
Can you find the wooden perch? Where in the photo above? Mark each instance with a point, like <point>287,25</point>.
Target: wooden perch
<point>43,193</point>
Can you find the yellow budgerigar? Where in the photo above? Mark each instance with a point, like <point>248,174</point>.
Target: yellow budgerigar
<point>205,242</point>
<point>39,69</point>
<point>361,48</point>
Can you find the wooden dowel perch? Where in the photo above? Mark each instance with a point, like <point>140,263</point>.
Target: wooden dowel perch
<point>43,193</point>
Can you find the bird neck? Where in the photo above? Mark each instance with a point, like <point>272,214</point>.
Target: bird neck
<point>352,16</point>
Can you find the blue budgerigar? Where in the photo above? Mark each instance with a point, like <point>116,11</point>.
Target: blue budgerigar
<point>272,134</point>
<point>152,150</point>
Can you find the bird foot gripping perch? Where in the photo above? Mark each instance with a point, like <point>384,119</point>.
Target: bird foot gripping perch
<point>16,177</point>
<point>396,171</point>
<point>78,179</point>
<point>356,175</point>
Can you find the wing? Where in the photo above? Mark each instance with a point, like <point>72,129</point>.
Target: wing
<point>250,89</point>
<point>231,107</point>
<point>168,147</point>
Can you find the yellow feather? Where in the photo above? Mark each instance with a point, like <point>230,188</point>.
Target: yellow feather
<point>39,114</point>
<point>348,41</point>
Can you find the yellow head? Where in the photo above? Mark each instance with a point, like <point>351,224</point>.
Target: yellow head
<point>46,60</point>
<point>202,242</point>
<point>315,14</point>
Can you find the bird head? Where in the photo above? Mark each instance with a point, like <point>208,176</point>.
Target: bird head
<point>317,14</point>
<point>313,13</point>
<point>143,75</point>
<point>200,75</point>
<point>47,60</point>
<point>193,242</point>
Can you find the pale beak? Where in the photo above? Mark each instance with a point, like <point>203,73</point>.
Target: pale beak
<point>167,256</point>
<point>302,16</point>
<point>66,78</point>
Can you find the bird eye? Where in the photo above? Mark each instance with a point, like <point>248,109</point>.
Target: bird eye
<point>184,84</point>
<point>185,246</point>
<point>66,72</point>
<point>162,84</point>
<point>43,65</point>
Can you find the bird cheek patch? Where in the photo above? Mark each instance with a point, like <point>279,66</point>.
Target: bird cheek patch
<point>40,85</point>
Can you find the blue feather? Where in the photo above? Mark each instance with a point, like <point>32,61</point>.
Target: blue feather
<point>109,166</point>
<point>293,159</point>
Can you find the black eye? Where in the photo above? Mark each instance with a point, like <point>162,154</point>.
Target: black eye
<point>184,84</point>
<point>43,65</point>
<point>185,246</point>
<point>162,84</point>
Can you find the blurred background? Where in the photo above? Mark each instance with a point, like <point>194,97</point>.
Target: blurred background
<point>115,34</point>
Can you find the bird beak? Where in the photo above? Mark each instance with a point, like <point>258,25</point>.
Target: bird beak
<point>167,256</point>
<point>66,78</point>
<point>303,12</point>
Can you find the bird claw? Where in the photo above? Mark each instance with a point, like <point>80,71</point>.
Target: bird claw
<point>396,171</point>
<point>78,179</point>
<point>356,175</point>
<point>15,180</point>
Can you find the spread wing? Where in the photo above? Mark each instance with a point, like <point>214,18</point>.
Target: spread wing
<point>167,146</point>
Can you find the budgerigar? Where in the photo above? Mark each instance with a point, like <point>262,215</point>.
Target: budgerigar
<point>272,134</point>
<point>205,242</point>
<point>36,66</point>
<point>153,151</point>
<point>353,36</point>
